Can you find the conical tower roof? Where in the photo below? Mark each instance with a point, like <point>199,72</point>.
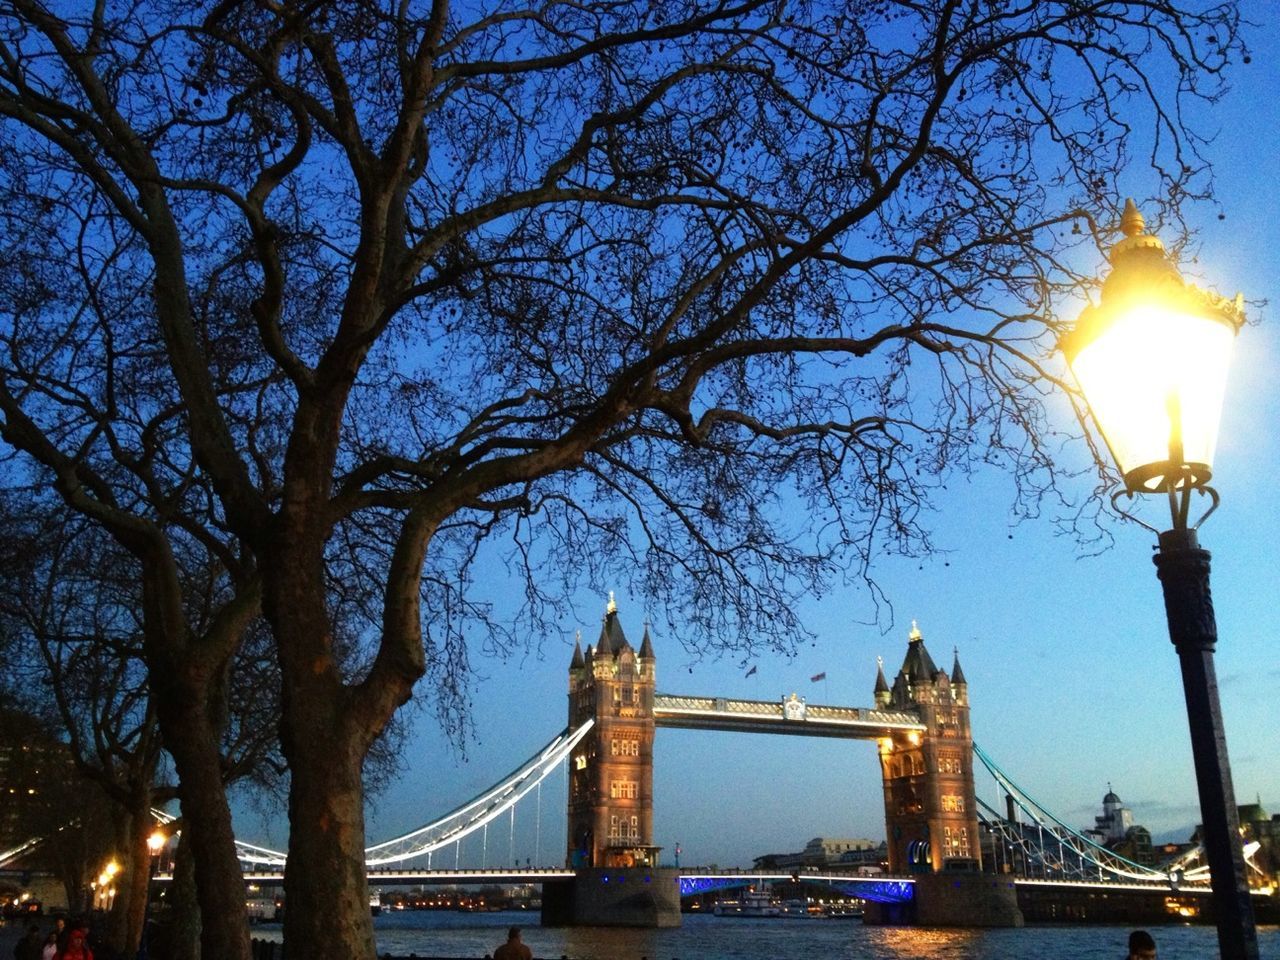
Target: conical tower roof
<point>957,675</point>
<point>918,666</point>
<point>646,645</point>
<point>882,685</point>
<point>612,639</point>
<point>577,663</point>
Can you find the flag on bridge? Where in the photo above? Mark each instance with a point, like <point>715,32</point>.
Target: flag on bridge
<point>818,676</point>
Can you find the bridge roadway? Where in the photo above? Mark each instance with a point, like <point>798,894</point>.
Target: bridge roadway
<point>724,878</point>
<point>791,716</point>
<point>720,879</point>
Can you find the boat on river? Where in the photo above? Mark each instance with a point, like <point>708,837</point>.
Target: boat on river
<point>752,903</point>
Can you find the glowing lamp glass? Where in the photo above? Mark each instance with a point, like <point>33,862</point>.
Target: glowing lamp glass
<point>1154,376</point>
<point>156,841</point>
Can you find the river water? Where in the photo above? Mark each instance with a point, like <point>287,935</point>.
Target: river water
<point>433,933</point>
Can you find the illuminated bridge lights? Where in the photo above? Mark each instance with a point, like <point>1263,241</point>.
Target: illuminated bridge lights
<point>692,886</point>
<point>879,889</point>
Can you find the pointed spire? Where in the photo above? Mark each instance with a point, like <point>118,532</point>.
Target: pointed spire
<point>882,694</point>
<point>577,663</point>
<point>1131,220</point>
<point>646,645</point>
<point>603,647</point>
<point>957,675</point>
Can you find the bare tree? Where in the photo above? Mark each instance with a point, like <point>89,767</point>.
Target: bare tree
<point>77,607</point>
<point>73,595</point>
<point>598,282</point>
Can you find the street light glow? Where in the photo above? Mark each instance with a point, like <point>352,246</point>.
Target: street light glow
<point>1155,380</point>
<point>1151,360</point>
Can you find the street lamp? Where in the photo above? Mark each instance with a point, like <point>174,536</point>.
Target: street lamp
<point>105,891</point>
<point>155,843</point>
<point>1151,360</point>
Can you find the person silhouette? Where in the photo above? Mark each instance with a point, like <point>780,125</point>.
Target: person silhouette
<point>1141,946</point>
<point>514,948</point>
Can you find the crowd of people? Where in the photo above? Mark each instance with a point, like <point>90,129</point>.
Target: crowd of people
<point>63,942</point>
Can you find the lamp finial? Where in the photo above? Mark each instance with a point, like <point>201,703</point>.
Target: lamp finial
<point>1134,227</point>
<point>1131,222</point>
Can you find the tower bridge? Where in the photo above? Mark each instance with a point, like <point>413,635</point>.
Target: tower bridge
<point>920,724</point>
<point>952,858</point>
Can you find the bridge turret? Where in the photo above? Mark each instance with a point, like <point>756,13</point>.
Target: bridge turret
<point>646,645</point>
<point>611,770</point>
<point>959,686</point>
<point>928,776</point>
<point>882,693</point>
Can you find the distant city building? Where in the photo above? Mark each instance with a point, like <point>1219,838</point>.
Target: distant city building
<point>863,857</point>
<point>1256,826</point>
<point>1116,820</point>
<point>821,851</point>
<point>1116,831</point>
<point>30,760</point>
<point>835,853</point>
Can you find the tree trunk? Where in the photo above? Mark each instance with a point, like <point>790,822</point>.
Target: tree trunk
<point>182,910</point>
<point>326,726</point>
<point>76,888</point>
<point>129,906</point>
<point>326,915</point>
<point>206,815</point>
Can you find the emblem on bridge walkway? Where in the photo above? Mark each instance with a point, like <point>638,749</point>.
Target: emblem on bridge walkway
<point>793,708</point>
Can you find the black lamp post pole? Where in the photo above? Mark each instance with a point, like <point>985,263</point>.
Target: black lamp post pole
<point>1183,569</point>
<point>144,944</point>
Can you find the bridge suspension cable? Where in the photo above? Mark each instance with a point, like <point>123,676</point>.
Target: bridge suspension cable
<point>473,815</point>
<point>1074,849</point>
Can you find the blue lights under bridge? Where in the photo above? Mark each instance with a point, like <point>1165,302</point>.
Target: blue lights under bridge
<point>879,889</point>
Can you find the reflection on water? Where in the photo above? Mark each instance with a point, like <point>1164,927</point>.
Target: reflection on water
<point>447,934</point>
<point>917,942</point>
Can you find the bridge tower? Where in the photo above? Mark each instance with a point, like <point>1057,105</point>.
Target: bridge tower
<point>929,803</point>
<point>611,770</point>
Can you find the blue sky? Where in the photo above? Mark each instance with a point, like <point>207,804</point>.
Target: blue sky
<point>1072,678</point>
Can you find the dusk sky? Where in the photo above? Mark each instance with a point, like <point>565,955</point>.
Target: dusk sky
<point>1072,678</point>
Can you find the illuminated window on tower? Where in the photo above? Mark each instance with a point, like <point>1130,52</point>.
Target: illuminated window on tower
<point>625,743</point>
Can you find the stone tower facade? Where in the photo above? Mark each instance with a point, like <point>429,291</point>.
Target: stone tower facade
<point>929,803</point>
<point>611,770</point>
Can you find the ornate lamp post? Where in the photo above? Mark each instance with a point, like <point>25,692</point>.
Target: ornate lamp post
<point>1151,361</point>
<point>155,843</point>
